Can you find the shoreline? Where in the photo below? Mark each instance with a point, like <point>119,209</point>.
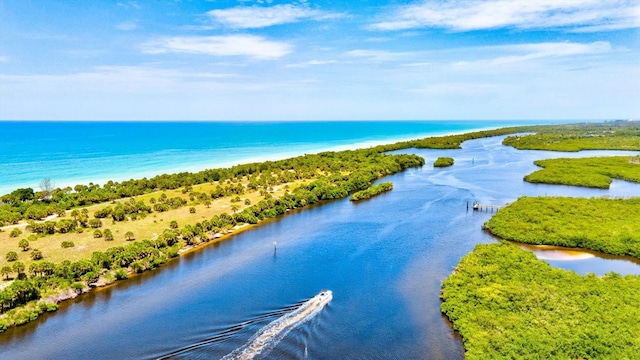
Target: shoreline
<point>308,148</point>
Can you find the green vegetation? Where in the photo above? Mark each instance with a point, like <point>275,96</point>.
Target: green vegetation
<point>27,204</point>
<point>443,162</point>
<point>332,175</point>
<point>508,305</point>
<point>594,172</point>
<point>372,191</point>
<point>323,176</point>
<point>608,225</point>
<point>618,135</point>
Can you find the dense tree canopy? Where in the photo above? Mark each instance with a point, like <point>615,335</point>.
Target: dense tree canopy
<point>508,305</point>
<point>595,172</point>
<point>608,225</point>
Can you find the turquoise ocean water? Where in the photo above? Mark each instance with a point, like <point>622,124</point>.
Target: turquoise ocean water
<point>71,153</point>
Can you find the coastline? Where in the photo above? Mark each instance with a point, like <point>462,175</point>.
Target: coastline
<point>193,160</point>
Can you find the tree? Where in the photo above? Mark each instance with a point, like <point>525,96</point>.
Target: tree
<point>15,233</point>
<point>129,236</point>
<point>97,234</point>
<point>23,194</point>
<point>95,223</point>
<point>173,224</point>
<point>235,208</point>
<point>36,254</point>
<point>47,188</point>
<point>6,271</point>
<point>12,256</point>
<point>18,267</point>
<point>24,244</point>
<point>108,235</point>
<point>192,210</point>
<point>207,203</point>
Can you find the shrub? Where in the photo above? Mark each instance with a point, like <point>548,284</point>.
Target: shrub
<point>121,274</point>
<point>67,244</point>
<point>12,256</point>
<point>36,254</point>
<point>443,162</point>
<point>24,244</point>
<point>95,223</point>
<point>15,233</point>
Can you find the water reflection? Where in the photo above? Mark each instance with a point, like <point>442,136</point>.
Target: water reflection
<point>584,261</point>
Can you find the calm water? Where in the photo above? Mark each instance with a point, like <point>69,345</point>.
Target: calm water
<point>71,153</point>
<point>384,259</point>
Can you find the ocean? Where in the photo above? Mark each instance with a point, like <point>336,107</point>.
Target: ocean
<point>71,153</point>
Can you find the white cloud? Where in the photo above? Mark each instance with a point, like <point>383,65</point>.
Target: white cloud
<point>467,15</point>
<point>250,17</point>
<point>130,4</point>
<point>550,49</point>
<point>231,45</point>
<point>312,63</point>
<point>127,26</point>
<point>4,59</point>
<point>379,55</point>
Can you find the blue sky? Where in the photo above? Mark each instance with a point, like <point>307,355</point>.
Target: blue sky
<point>319,60</point>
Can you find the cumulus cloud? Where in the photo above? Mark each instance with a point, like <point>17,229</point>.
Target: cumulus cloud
<point>250,17</point>
<point>468,15</point>
<point>230,45</point>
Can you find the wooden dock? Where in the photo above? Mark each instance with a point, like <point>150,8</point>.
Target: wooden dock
<point>486,208</point>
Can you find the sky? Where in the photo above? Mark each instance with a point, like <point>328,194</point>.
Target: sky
<point>319,60</point>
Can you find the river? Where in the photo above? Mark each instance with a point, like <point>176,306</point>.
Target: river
<point>383,259</point>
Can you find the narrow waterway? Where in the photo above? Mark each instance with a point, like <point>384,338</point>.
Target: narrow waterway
<point>383,259</point>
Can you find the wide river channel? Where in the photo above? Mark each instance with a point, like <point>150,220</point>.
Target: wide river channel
<point>383,259</point>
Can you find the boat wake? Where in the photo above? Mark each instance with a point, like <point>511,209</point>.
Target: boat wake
<point>270,335</point>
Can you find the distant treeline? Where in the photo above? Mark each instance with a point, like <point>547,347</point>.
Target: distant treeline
<point>618,135</point>
<point>597,172</point>
<point>25,203</point>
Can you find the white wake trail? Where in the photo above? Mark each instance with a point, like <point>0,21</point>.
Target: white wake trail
<point>270,335</point>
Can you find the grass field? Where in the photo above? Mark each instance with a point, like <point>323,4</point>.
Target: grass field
<point>146,228</point>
